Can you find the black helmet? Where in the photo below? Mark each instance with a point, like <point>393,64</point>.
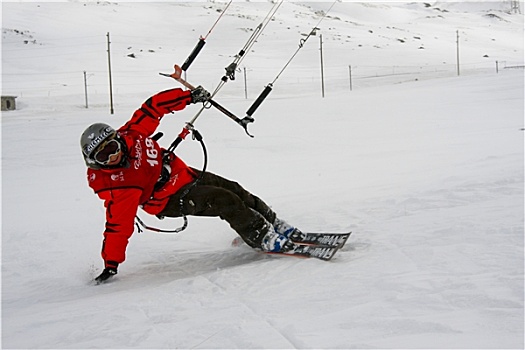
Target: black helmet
<point>94,136</point>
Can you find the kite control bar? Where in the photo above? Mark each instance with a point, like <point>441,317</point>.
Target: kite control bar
<point>242,122</point>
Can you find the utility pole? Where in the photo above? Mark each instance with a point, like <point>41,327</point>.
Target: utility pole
<point>350,74</point>
<point>457,48</point>
<point>245,85</point>
<point>110,82</point>
<point>322,68</point>
<point>85,89</point>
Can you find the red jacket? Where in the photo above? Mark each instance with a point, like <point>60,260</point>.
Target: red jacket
<point>125,189</point>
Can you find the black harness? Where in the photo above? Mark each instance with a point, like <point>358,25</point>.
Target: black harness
<point>165,171</point>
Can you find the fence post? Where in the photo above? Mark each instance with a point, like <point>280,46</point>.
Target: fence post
<point>245,85</point>
<point>110,80</point>
<point>457,48</point>
<point>85,89</point>
<point>322,68</point>
<point>350,74</point>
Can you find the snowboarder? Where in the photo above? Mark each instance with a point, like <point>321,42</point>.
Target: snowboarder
<point>128,169</point>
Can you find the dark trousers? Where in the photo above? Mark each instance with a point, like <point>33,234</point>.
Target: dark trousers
<point>214,195</point>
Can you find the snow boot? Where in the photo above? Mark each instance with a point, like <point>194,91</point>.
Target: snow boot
<point>287,230</point>
<point>274,242</point>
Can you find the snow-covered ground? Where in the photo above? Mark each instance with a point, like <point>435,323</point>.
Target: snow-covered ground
<point>425,167</point>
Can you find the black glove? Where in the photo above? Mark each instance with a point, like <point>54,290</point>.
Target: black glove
<point>107,273</point>
<point>199,94</point>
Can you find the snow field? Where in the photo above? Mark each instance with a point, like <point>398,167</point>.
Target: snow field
<point>427,174</point>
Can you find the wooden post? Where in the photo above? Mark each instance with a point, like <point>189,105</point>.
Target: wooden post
<point>457,49</point>
<point>350,73</point>
<point>85,89</point>
<point>110,81</point>
<point>322,68</point>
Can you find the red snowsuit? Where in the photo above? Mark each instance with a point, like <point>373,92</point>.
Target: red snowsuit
<point>125,189</point>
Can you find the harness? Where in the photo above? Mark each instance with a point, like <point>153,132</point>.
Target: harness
<point>165,171</point>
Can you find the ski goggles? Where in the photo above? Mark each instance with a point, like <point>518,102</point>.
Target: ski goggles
<point>106,151</point>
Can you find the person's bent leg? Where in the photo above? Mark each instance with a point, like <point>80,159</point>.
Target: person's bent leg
<point>251,200</point>
<point>203,200</point>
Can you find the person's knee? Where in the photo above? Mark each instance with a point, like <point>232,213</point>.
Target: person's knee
<point>228,202</point>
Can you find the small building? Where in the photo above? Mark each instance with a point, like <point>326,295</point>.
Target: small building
<point>8,103</point>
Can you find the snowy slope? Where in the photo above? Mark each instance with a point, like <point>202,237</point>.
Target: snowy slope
<point>426,168</point>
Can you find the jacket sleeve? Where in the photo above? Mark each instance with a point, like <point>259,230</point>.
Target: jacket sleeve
<point>121,208</point>
<point>146,119</point>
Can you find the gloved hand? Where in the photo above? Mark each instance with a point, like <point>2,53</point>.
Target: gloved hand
<point>107,273</point>
<point>199,94</point>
